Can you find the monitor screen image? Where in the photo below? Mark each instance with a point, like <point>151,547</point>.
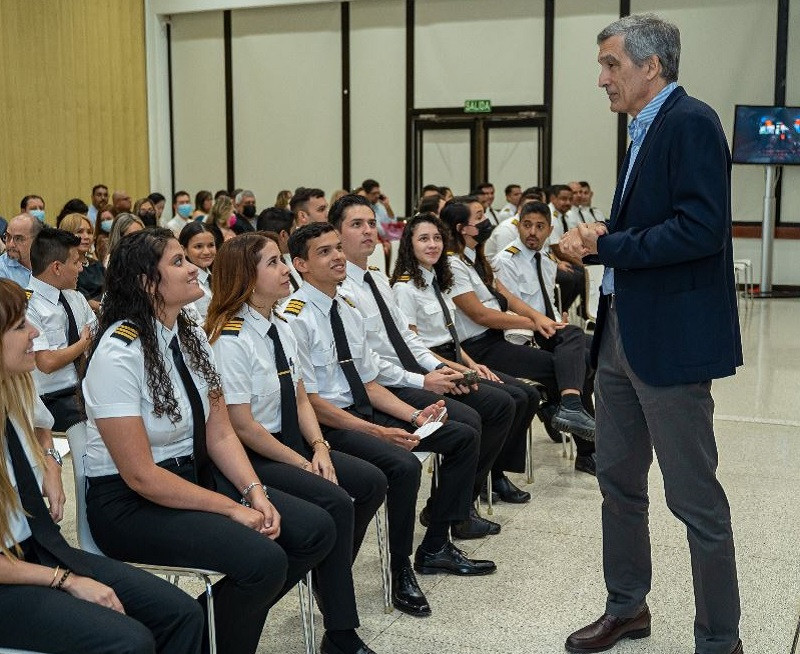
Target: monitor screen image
<point>766,135</point>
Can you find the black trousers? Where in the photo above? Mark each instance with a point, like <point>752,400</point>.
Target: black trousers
<point>351,505</point>
<point>459,445</point>
<point>568,348</point>
<point>573,285</point>
<point>258,571</point>
<point>158,616</point>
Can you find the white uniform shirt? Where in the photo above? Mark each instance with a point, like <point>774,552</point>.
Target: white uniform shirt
<point>319,363</point>
<point>176,224</point>
<point>18,528</point>
<point>507,211</point>
<point>49,317</point>
<point>579,215</point>
<point>515,267</point>
<point>116,386</point>
<point>422,309</point>
<point>246,362</point>
<point>391,372</point>
<point>501,236</point>
<point>491,214</point>
<point>558,225</point>
<point>466,279</point>
<point>201,305</point>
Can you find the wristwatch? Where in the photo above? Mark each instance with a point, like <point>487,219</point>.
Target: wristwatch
<point>51,451</point>
<point>323,441</point>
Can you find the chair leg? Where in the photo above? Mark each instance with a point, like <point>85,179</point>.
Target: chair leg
<point>489,505</point>
<point>796,638</point>
<point>529,456</point>
<point>212,629</point>
<point>305,590</point>
<point>382,528</point>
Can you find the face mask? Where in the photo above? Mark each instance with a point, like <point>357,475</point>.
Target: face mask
<point>105,225</point>
<point>38,214</point>
<point>484,231</point>
<point>148,217</point>
<point>184,210</point>
<point>249,211</point>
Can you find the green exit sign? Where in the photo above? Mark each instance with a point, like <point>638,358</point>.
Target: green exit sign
<point>477,106</point>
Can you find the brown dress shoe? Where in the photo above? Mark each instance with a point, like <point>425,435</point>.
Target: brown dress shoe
<point>604,633</point>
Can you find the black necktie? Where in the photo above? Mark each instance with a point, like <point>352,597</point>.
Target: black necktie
<point>360,397</point>
<point>448,319</point>
<point>407,358</point>
<point>72,328</point>
<point>293,282</point>
<point>53,549</point>
<point>290,424</point>
<point>548,307</point>
<point>580,215</point>
<point>202,463</point>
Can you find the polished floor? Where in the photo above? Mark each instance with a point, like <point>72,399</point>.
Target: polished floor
<point>549,580</point>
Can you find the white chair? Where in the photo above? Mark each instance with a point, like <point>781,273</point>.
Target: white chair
<point>743,271</point>
<point>77,445</point>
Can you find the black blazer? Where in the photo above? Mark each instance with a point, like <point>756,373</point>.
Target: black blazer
<point>669,243</point>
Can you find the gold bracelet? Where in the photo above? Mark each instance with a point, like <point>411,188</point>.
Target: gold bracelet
<point>323,441</point>
<point>55,576</point>
<point>67,573</point>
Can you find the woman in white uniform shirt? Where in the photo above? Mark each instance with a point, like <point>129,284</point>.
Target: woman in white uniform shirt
<point>166,471</point>
<point>54,598</point>
<point>273,417</point>
<point>197,241</point>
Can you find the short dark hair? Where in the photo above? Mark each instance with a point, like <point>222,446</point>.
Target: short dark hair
<point>429,204</point>
<point>511,187</point>
<point>534,207</point>
<point>220,193</point>
<point>464,199</point>
<point>298,241</point>
<point>24,202</point>
<point>430,187</point>
<point>479,187</point>
<point>275,220</point>
<point>369,184</point>
<point>97,187</point>
<point>584,185</point>
<point>155,197</point>
<point>336,213</point>
<point>178,194</point>
<point>303,195</point>
<point>51,245</point>
<point>534,192</point>
<point>75,205</point>
<point>555,189</point>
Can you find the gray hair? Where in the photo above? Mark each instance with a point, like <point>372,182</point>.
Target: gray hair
<point>241,195</point>
<point>646,35</point>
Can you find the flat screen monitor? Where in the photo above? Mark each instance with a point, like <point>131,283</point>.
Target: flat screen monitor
<point>766,135</point>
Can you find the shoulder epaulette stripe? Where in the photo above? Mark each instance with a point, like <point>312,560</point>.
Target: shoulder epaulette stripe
<point>294,307</point>
<point>232,327</point>
<point>348,300</point>
<point>515,222</point>
<point>127,332</point>
<point>28,293</point>
<point>373,268</point>
<point>450,253</point>
<point>513,249</point>
<point>404,278</point>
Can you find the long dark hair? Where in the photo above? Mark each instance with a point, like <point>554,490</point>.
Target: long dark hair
<point>455,213</point>
<point>407,263</point>
<point>131,293</point>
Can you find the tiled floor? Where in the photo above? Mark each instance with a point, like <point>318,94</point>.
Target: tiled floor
<point>549,580</point>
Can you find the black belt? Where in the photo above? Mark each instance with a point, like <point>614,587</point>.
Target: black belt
<point>488,336</point>
<point>445,350</point>
<point>169,464</point>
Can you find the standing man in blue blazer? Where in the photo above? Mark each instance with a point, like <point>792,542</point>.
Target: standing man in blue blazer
<point>667,325</point>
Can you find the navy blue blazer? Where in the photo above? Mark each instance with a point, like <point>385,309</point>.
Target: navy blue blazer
<point>670,245</point>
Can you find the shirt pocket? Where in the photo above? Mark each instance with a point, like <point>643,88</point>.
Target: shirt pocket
<point>324,357</point>
<point>56,338</point>
<point>373,323</point>
<point>265,385</point>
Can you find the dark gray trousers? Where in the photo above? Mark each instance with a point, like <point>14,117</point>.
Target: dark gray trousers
<point>633,418</point>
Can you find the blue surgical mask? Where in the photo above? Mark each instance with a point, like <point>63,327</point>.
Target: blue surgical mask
<point>184,210</point>
<point>38,214</point>
<point>105,225</point>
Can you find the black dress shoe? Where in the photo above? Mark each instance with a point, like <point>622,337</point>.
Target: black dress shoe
<point>545,414</point>
<point>451,560</point>
<point>586,463</point>
<point>425,517</point>
<point>485,495</point>
<point>474,527</point>
<point>508,492</point>
<point>605,632</point>
<point>575,421</point>
<point>407,596</point>
<point>328,647</point>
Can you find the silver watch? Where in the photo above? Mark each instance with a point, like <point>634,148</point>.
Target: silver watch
<point>51,451</point>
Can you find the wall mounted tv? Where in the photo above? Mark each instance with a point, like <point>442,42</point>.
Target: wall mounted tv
<point>766,135</point>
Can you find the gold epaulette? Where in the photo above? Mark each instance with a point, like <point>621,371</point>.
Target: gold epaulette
<point>513,249</point>
<point>127,332</point>
<point>404,278</point>
<point>28,293</point>
<point>232,327</point>
<point>348,300</point>
<point>515,221</point>
<point>450,253</point>
<point>294,307</point>
<point>373,268</point>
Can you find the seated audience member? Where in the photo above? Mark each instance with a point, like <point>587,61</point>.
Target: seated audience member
<point>430,190</point>
<point>182,208</point>
<point>245,205</point>
<point>571,273</point>
<point>64,320</point>
<point>281,222</point>
<point>54,597</point>
<point>15,262</point>
<point>199,248</point>
<point>90,279</point>
<point>159,202</point>
<point>124,224</point>
<point>380,205</point>
<point>121,202</point>
<point>582,210</point>
<point>33,205</point>
<point>203,201</point>
<point>75,205</point>
<point>220,219</point>
<point>220,193</point>
<point>527,272</point>
<point>513,194</point>
<point>282,199</point>
<point>486,308</point>
<point>506,231</point>
<point>255,352</point>
<point>146,211</point>
<point>308,205</point>
<point>166,472</point>
<point>363,418</point>
<point>431,204</point>
<point>339,192</point>
<point>102,229</point>
<point>484,193</point>
<point>99,199</point>
<point>446,193</point>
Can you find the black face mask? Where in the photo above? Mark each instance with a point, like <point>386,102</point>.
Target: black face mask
<point>249,211</point>
<point>484,231</point>
<point>148,218</point>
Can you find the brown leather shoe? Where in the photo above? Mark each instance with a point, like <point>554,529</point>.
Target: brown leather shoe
<point>604,633</point>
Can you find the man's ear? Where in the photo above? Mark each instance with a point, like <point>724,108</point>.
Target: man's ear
<point>300,264</point>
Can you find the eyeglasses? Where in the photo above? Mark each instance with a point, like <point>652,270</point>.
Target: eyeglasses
<point>8,238</point>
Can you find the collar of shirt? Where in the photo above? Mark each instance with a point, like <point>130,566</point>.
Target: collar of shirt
<point>322,301</point>
<point>524,250</point>
<point>469,253</point>
<point>427,275</point>
<point>202,276</point>
<point>11,263</point>
<point>164,336</point>
<point>43,289</point>
<point>555,212</point>
<point>637,129</point>
<point>258,322</point>
<point>356,273</point>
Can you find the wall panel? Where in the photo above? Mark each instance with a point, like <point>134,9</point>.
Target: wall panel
<point>73,100</point>
<point>287,98</point>
<point>790,205</point>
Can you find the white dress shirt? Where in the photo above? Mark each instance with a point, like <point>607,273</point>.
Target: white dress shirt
<point>421,308</point>
<point>515,267</point>
<point>466,279</point>
<point>501,236</point>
